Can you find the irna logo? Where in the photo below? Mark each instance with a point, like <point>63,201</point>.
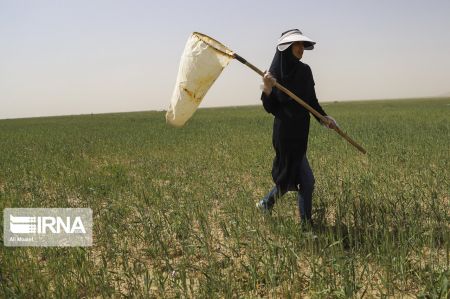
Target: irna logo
<point>47,227</point>
<point>45,224</point>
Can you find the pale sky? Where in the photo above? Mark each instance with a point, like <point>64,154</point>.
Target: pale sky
<point>78,57</point>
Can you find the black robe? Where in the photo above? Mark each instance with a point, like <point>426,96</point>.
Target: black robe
<point>291,122</point>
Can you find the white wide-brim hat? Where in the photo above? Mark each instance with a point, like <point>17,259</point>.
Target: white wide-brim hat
<point>294,35</point>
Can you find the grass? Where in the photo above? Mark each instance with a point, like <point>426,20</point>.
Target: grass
<point>174,209</point>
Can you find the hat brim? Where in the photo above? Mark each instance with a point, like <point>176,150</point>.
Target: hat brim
<point>285,42</point>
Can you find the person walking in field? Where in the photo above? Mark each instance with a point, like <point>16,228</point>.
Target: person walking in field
<point>291,170</point>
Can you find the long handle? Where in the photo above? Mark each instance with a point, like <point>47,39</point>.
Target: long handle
<point>301,102</point>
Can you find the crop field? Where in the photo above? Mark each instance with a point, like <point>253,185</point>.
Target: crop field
<point>174,209</point>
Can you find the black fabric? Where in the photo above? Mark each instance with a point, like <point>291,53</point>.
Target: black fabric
<point>291,122</point>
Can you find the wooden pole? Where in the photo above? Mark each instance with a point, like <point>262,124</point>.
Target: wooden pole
<point>303,103</point>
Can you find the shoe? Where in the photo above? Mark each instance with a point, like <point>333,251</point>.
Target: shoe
<point>309,234</point>
<point>307,229</point>
<point>264,207</point>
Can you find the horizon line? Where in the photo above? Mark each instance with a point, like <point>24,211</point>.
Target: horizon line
<point>230,106</point>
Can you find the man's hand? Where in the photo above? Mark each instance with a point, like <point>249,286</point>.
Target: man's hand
<point>269,82</point>
<point>330,122</point>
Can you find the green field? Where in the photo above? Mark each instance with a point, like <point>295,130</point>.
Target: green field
<point>174,209</point>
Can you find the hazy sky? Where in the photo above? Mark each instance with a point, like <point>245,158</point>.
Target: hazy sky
<point>76,57</point>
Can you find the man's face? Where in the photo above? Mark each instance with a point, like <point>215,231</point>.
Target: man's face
<point>297,49</point>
